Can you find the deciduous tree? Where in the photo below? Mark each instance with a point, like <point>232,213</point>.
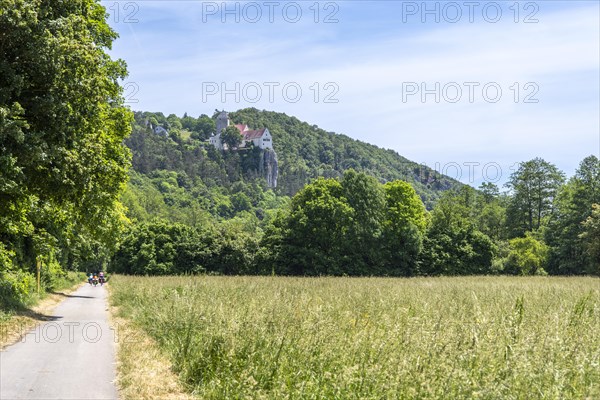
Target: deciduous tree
<point>527,256</point>
<point>534,187</point>
<point>62,124</point>
<point>573,206</point>
<point>591,239</point>
<point>231,137</point>
<point>404,227</point>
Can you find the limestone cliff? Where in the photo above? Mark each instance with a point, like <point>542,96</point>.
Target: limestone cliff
<point>268,167</point>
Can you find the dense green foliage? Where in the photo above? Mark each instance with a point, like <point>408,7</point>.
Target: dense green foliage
<point>534,185</point>
<point>350,224</point>
<point>590,235</point>
<point>63,164</point>
<point>342,207</point>
<point>359,338</point>
<point>527,256</point>
<point>305,152</point>
<point>179,178</point>
<point>231,137</point>
<point>571,250</point>
<point>454,245</point>
<point>355,226</point>
<point>160,248</point>
<point>18,288</point>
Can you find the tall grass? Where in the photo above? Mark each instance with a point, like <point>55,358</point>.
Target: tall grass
<point>373,338</point>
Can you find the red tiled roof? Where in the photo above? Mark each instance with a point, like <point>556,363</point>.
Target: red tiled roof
<point>249,135</point>
<point>242,127</point>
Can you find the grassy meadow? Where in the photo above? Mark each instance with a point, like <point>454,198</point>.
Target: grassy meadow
<point>372,338</point>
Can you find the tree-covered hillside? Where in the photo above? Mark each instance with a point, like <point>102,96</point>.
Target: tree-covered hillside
<point>305,152</point>
<point>330,213</point>
<point>341,206</point>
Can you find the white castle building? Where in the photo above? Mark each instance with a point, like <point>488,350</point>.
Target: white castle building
<point>261,138</point>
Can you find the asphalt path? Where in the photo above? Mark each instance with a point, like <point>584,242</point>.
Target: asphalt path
<point>70,356</point>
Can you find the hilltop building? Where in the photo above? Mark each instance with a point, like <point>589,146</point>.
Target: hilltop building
<point>261,138</point>
<point>157,129</point>
<point>267,166</point>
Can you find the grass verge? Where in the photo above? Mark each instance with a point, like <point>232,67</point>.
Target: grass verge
<point>16,323</point>
<point>143,370</point>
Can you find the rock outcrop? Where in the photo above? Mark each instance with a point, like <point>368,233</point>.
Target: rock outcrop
<point>268,167</point>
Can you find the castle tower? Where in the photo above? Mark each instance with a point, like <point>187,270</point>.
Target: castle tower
<point>222,121</point>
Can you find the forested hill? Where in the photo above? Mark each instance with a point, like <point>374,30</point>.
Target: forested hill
<point>304,151</point>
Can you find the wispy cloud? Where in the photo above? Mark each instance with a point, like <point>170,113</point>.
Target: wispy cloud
<point>371,57</point>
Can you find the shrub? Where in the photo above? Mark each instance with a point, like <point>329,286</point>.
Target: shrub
<point>16,288</point>
<point>52,275</point>
<point>527,256</point>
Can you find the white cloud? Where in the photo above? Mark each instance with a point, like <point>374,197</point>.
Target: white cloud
<point>171,53</point>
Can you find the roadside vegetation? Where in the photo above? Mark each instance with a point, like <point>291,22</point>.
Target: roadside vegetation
<point>24,309</point>
<point>143,369</point>
<point>63,163</point>
<point>372,338</point>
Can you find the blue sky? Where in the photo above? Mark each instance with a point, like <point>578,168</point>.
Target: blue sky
<point>468,88</point>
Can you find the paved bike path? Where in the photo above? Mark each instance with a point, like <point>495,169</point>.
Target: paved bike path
<point>71,356</point>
